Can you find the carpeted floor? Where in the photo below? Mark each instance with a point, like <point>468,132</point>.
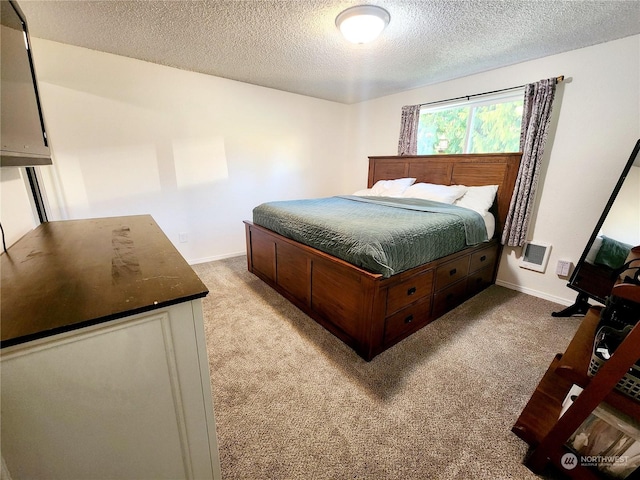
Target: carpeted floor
<point>293,402</point>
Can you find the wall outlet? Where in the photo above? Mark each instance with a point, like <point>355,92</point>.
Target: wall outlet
<point>183,237</point>
<point>563,268</point>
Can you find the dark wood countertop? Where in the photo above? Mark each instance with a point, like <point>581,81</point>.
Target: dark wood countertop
<point>71,274</point>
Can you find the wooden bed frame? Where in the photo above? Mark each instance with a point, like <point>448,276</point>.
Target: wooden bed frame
<point>366,311</point>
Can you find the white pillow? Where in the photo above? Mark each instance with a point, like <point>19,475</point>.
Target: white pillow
<point>479,199</point>
<point>387,188</point>
<point>490,223</point>
<point>437,193</point>
<point>593,251</point>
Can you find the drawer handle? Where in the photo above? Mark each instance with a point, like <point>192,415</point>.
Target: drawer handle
<point>411,291</point>
<point>483,258</point>
<point>409,319</point>
<point>452,271</point>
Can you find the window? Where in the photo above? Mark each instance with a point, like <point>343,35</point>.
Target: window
<point>485,125</point>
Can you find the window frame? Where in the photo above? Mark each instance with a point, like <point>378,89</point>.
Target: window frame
<point>473,104</point>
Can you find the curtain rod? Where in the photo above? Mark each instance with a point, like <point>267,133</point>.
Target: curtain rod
<point>558,80</point>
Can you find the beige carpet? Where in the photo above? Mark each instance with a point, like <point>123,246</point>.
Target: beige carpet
<point>293,402</point>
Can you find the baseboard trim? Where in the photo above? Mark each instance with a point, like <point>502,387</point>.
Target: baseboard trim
<point>535,293</point>
<point>196,261</point>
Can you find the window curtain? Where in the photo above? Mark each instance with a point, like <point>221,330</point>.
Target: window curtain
<point>408,143</point>
<point>538,102</point>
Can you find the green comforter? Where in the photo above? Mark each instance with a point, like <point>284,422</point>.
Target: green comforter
<point>380,234</point>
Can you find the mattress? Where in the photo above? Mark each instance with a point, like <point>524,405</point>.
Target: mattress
<point>380,234</point>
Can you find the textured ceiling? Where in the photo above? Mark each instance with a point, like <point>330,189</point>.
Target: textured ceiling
<point>294,45</point>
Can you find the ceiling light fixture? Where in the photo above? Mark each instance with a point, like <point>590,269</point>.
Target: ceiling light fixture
<point>363,23</point>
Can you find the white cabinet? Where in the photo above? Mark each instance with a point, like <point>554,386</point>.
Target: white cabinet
<point>130,398</point>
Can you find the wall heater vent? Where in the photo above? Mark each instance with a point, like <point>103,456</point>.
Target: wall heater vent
<point>535,256</point>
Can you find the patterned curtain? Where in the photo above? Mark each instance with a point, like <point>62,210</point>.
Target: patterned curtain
<point>408,143</point>
<point>538,101</point>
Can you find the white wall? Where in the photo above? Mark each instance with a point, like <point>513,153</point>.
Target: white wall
<point>16,213</point>
<point>199,152</point>
<point>596,124</point>
<point>195,151</point>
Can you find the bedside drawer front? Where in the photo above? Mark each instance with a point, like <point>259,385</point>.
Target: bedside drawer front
<point>407,319</point>
<point>409,291</point>
<point>479,280</point>
<point>451,272</point>
<point>449,298</point>
<point>483,258</point>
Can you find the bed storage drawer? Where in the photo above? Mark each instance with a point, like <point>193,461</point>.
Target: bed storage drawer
<point>450,297</point>
<point>484,258</point>
<point>479,280</point>
<point>409,291</point>
<point>451,272</point>
<point>407,319</point>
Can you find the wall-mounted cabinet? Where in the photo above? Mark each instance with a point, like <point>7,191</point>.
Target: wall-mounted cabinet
<point>23,135</point>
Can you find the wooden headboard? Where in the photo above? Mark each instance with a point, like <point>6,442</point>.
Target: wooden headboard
<point>469,169</point>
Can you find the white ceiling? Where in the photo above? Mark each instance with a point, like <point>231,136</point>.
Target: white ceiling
<point>294,45</point>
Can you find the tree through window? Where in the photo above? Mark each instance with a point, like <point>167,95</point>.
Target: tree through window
<point>486,125</point>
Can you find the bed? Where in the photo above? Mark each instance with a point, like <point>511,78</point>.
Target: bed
<point>371,309</point>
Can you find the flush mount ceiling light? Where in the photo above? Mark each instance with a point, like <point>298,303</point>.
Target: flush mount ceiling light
<point>363,23</point>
